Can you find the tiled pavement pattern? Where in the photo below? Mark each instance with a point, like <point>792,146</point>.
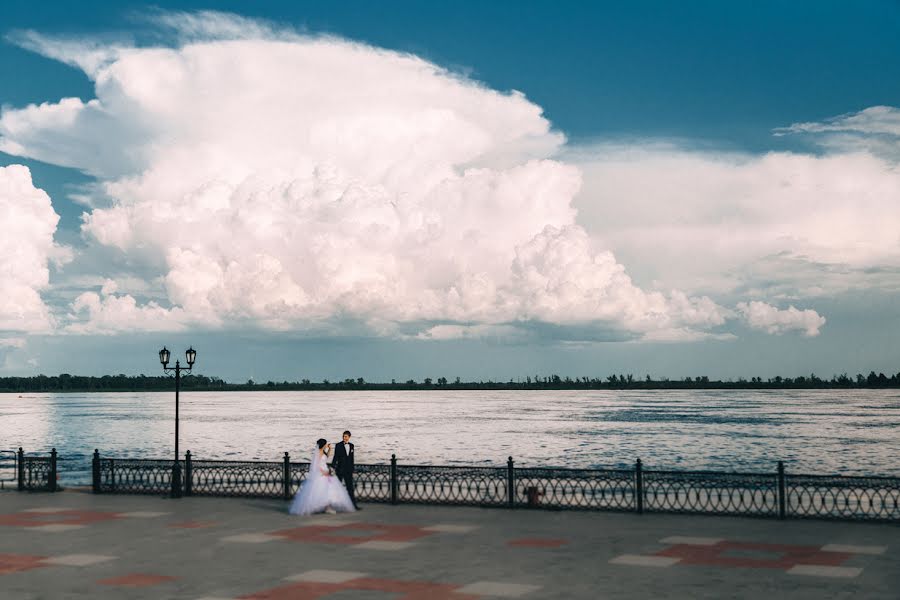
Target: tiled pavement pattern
<point>81,546</point>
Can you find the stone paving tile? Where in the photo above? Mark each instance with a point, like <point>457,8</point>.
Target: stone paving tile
<point>854,549</point>
<point>48,509</point>
<point>691,541</point>
<point>11,563</point>
<point>639,560</point>
<point>136,580</point>
<point>56,527</point>
<point>252,538</point>
<point>353,533</point>
<point>77,560</point>
<point>538,543</point>
<point>326,576</point>
<point>192,524</point>
<point>403,590</point>
<point>383,545</point>
<point>450,528</point>
<point>823,571</point>
<point>143,514</point>
<point>66,516</point>
<point>326,521</point>
<point>497,589</point>
<point>731,553</point>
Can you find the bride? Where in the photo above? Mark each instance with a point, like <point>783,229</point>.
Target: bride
<point>321,491</point>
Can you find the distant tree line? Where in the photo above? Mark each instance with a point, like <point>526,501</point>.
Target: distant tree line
<point>143,383</point>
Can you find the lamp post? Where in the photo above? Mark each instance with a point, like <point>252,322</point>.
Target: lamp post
<point>191,356</point>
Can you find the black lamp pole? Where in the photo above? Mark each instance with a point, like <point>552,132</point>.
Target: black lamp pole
<point>191,356</point>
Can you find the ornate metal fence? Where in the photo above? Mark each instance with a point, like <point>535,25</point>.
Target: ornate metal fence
<point>372,483</point>
<point>745,494</point>
<point>36,473</point>
<point>132,475</point>
<point>9,468</point>
<point>472,486</point>
<point>866,498</point>
<point>575,488</point>
<point>773,495</point>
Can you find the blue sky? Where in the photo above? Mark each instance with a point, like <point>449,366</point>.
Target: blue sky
<point>746,252</point>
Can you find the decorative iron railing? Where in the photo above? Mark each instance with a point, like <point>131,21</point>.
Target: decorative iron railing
<point>9,468</point>
<point>132,475</point>
<point>372,483</point>
<point>473,486</point>
<point>745,494</point>
<point>36,473</point>
<point>575,488</point>
<point>824,497</point>
<point>773,495</point>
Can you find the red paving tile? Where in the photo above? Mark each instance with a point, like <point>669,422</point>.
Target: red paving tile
<point>782,556</point>
<point>67,517</point>
<point>354,533</point>
<point>406,590</point>
<point>10,563</point>
<point>538,542</point>
<point>136,580</point>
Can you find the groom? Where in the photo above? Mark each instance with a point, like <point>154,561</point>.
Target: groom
<point>343,465</point>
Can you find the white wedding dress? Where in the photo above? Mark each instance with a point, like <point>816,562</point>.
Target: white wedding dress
<point>321,490</point>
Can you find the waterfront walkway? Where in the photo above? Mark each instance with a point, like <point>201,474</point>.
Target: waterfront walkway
<point>77,545</point>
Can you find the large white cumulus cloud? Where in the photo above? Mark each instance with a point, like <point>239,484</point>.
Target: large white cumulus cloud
<point>291,181</point>
<point>27,225</point>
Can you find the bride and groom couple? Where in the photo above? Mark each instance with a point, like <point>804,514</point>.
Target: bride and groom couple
<point>324,488</point>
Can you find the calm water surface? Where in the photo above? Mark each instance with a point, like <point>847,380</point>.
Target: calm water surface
<point>813,431</point>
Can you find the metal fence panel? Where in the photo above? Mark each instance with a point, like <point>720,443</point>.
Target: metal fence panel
<point>9,467</point>
<point>136,476</point>
<point>856,498</point>
<point>748,494</point>
<point>575,488</point>
<point>474,486</point>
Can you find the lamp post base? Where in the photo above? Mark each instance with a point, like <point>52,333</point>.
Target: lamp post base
<point>176,480</point>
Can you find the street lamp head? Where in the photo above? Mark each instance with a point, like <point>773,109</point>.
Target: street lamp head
<point>191,356</point>
<point>164,356</point>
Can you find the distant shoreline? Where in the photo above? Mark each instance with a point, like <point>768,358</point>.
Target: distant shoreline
<point>66,383</point>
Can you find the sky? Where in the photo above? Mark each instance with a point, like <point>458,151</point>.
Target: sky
<point>450,189</point>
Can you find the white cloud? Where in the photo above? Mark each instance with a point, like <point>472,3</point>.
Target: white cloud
<point>502,333</point>
<point>733,225</point>
<point>110,314</point>
<point>760,315</point>
<point>872,120</point>
<point>27,225</point>
<point>875,129</point>
<point>12,342</point>
<point>293,181</point>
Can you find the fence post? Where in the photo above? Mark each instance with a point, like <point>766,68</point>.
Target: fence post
<point>188,474</point>
<point>95,467</point>
<point>639,486</point>
<point>21,469</point>
<point>781,492</point>
<point>51,485</point>
<point>393,479</point>
<point>510,483</point>
<point>286,475</point>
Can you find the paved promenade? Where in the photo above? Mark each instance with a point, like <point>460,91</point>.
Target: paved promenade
<point>77,545</point>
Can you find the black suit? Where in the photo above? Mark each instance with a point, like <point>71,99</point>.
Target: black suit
<point>343,467</point>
